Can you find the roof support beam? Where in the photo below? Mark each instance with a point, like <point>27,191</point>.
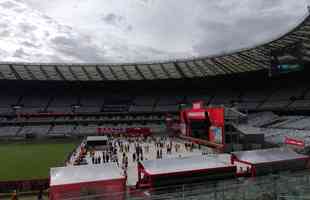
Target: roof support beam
<point>139,72</point>
<point>165,71</point>
<point>100,73</point>
<point>126,73</point>
<point>152,71</point>
<point>112,72</point>
<point>15,72</point>
<point>179,70</point>
<point>59,73</point>
<point>86,73</point>
<point>224,68</point>
<point>30,73</point>
<point>258,63</point>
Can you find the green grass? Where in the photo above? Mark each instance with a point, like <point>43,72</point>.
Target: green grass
<point>32,160</point>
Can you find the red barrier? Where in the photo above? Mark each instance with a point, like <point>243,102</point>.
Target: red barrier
<point>131,132</point>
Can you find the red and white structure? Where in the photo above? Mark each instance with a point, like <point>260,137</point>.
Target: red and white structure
<point>201,125</point>
<point>154,173</point>
<point>97,180</point>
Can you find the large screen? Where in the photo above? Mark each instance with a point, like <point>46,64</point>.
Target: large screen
<point>286,60</point>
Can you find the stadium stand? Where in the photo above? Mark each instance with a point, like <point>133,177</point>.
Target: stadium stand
<point>75,100</point>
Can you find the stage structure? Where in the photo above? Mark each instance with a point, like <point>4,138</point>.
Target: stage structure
<point>96,141</point>
<point>88,180</point>
<point>172,171</point>
<point>201,125</point>
<point>274,160</point>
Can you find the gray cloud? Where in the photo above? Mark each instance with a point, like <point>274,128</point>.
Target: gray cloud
<point>30,44</point>
<point>112,19</point>
<point>27,28</point>
<point>20,53</point>
<point>140,30</point>
<point>4,33</point>
<point>7,4</point>
<point>79,47</point>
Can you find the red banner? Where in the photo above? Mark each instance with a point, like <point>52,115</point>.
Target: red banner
<point>134,131</point>
<point>295,142</point>
<point>216,116</point>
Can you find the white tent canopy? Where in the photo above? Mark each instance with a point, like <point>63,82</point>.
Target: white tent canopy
<point>267,155</point>
<point>172,165</point>
<point>85,173</point>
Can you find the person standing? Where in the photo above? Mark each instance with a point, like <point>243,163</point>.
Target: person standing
<point>40,195</point>
<point>14,195</point>
<point>134,157</point>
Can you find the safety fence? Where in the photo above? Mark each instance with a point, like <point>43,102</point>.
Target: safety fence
<point>277,187</point>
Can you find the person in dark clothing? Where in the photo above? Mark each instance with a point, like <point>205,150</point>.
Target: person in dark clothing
<point>103,157</point>
<point>134,157</point>
<point>14,195</point>
<point>40,195</point>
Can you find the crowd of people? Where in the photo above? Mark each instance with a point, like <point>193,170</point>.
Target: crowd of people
<point>130,150</point>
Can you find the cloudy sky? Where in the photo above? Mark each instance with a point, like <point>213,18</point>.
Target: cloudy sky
<point>139,30</point>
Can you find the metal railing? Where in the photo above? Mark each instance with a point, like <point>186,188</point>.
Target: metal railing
<point>278,187</point>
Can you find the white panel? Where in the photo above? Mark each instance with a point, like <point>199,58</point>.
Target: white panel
<point>158,70</point>
<point>37,72</point>
<point>215,67</point>
<point>304,33</point>
<point>106,71</point>
<point>186,70</point>
<point>7,72</point>
<point>79,73</point>
<point>228,67</point>
<point>22,72</point>
<point>172,70</point>
<point>233,66</point>
<point>66,73</point>
<point>119,72</point>
<point>261,64</point>
<point>192,65</point>
<point>306,58</point>
<point>93,73</point>
<point>52,73</point>
<point>237,60</point>
<point>133,73</point>
<point>257,54</point>
<point>144,69</point>
<point>207,70</point>
<point>306,45</point>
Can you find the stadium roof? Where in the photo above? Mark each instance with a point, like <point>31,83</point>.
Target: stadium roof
<point>244,60</point>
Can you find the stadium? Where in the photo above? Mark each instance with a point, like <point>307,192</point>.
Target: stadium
<point>228,126</point>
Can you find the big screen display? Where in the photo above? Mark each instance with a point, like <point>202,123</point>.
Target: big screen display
<point>286,60</point>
